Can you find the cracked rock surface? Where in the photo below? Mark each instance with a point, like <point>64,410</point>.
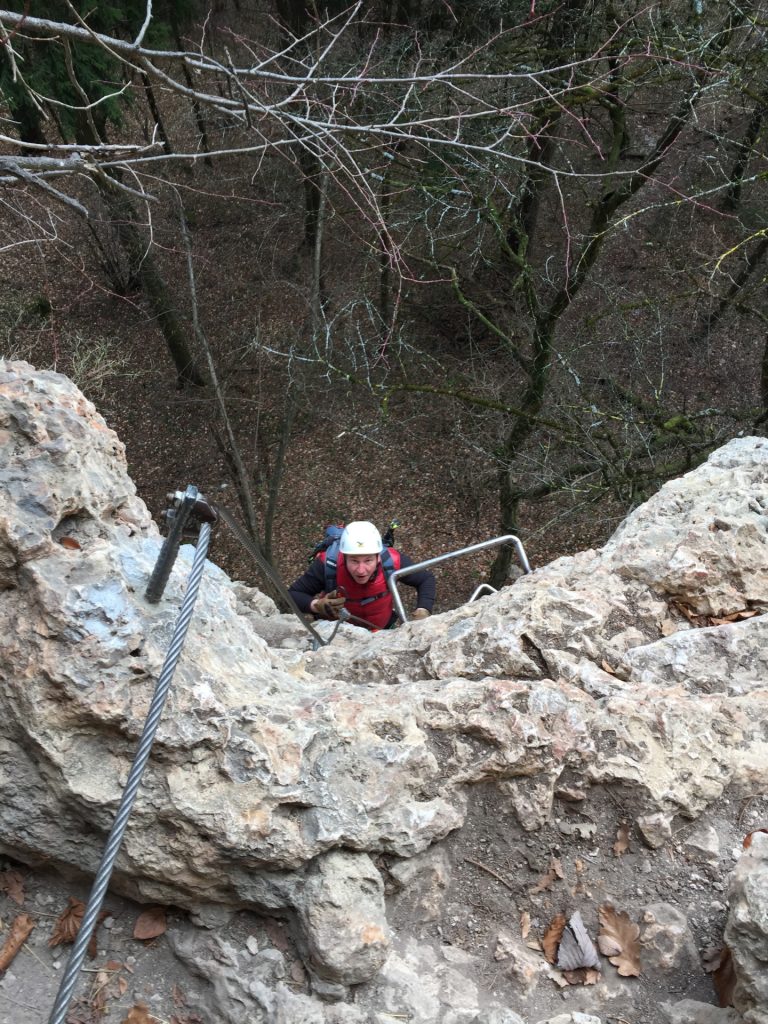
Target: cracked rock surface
<point>286,781</point>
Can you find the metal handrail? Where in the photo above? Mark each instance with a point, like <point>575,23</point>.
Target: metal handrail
<point>484,588</point>
<point>407,570</point>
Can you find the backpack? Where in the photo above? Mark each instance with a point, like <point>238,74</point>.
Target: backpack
<point>330,545</point>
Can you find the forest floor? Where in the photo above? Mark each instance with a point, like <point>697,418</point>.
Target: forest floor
<point>503,884</point>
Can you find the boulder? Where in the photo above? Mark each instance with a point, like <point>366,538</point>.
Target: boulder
<point>746,932</point>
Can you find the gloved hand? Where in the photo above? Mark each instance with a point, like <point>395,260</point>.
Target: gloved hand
<point>327,605</point>
<point>420,613</point>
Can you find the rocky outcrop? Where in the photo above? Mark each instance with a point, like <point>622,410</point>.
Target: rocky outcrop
<point>279,774</point>
<point>746,932</point>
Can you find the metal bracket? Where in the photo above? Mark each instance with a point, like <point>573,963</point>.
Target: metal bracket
<point>184,505</point>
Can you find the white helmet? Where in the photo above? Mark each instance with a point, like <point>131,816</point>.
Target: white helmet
<point>360,539</point>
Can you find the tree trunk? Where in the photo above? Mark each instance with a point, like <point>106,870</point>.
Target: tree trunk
<point>153,285</point>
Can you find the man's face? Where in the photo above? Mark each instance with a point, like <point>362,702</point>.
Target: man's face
<point>361,567</point>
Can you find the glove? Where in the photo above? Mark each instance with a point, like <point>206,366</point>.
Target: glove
<point>327,606</point>
<point>421,613</point>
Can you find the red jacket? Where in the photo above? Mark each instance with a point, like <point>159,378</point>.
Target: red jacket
<point>371,601</point>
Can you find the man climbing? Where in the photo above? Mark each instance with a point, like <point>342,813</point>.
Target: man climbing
<point>353,574</point>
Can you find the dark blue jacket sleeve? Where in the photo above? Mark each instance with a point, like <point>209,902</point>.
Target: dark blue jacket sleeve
<point>308,586</point>
<point>423,581</point>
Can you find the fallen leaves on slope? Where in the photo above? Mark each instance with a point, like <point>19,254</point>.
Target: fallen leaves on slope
<point>619,940</point>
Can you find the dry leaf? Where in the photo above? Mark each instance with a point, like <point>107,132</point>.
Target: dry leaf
<point>622,839</point>
<point>179,999</point>
<point>122,985</point>
<point>150,924</point>
<point>525,924</point>
<point>745,613</point>
<point>576,949</point>
<point>68,922</point>
<point>747,841</point>
<point>17,936</point>
<point>69,542</point>
<point>557,977</point>
<point>139,1014</point>
<point>12,883</point>
<point>719,963</point>
<point>556,866</point>
<point>543,883</point>
<point>607,668</point>
<point>552,936</point>
<point>668,627</point>
<point>619,940</point>
<point>277,936</point>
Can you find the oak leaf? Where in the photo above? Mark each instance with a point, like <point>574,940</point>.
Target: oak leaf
<point>619,940</point>
<point>68,923</point>
<point>150,924</point>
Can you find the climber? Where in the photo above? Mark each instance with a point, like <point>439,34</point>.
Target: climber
<point>352,573</point>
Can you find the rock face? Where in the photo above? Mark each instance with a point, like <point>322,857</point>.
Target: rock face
<point>747,931</point>
<point>278,774</point>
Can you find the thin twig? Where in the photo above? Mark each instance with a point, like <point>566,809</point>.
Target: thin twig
<point>496,875</point>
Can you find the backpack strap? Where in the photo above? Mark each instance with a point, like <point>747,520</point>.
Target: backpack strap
<point>330,561</point>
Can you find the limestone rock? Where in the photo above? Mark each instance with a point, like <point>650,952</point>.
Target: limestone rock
<point>278,772</point>
<point>572,1018</point>
<point>666,940</point>
<point>422,881</point>
<point>703,845</point>
<point>341,908</point>
<point>689,1011</point>
<point>746,932</point>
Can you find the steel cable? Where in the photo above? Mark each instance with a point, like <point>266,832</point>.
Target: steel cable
<point>112,848</point>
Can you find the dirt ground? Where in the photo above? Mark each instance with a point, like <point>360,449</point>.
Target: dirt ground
<point>502,882</point>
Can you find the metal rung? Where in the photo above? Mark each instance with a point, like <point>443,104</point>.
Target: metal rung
<point>407,570</point>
